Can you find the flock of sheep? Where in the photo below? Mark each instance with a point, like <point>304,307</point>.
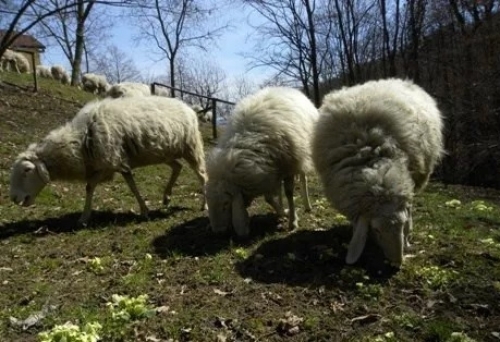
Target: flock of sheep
<point>373,145</point>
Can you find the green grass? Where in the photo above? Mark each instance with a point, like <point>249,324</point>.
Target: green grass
<point>208,286</point>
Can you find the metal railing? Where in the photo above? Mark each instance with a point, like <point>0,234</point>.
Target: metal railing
<point>214,101</point>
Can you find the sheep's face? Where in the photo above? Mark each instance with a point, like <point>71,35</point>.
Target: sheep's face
<point>388,231</point>
<point>219,201</point>
<point>27,180</point>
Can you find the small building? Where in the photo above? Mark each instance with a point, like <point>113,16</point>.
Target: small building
<point>26,44</point>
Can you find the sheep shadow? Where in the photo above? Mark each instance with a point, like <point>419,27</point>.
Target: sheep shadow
<point>194,237</point>
<point>67,223</point>
<point>311,258</point>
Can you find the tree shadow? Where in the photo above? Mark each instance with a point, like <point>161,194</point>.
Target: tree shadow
<point>194,237</point>
<point>312,257</point>
<point>69,222</point>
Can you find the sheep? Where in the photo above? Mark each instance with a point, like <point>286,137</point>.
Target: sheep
<point>43,71</point>
<point>162,91</point>
<point>94,83</point>
<point>8,61</point>
<point>57,72</point>
<point>108,136</point>
<point>266,143</point>
<point>14,61</point>
<point>374,147</point>
<point>126,89</point>
<point>204,115</point>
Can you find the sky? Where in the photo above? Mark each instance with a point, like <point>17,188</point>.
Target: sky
<point>227,55</point>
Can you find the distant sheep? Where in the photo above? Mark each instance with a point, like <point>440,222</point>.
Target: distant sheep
<point>14,61</point>
<point>203,114</point>
<point>43,71</point>
<point>94,83</point>
<point>59,74</point>
<point>108,136</point>
<point>375,146</point>
<point>162,91</point>
<point>128,89</point>
<point>266,143</point>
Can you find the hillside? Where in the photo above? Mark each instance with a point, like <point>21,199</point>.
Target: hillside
<point>278,286</point>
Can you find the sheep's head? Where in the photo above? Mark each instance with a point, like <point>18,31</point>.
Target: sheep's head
<point>27,179</point>
<point>226,208</point>
<point>386,212</point>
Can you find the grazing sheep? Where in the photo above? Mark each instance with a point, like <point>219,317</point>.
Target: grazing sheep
<point>8,61</point>
<point>204,115</point>
<point>43,71</point>
<point>94,83</point>
<point>128,89</point>
<point>266,143</point>
<point>108,136</point>
<point>375,146</point>
<point>65,79</point>
<point>14,61</point>
<point>162,91</point>
<point>58,72</point>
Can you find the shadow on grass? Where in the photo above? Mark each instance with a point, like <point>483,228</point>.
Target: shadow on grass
<point>309,257</point>
<point>194,238</point>
<point>68,222</point>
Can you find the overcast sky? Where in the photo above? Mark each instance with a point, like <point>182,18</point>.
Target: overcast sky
<point>228,55</point>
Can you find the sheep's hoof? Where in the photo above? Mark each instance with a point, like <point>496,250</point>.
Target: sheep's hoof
<point>82,223</point>
<point>293,225</point>
<point>166,200</point>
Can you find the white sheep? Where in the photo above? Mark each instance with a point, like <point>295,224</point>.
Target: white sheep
<point>375,146</point>
<point>127,89</point>
<point>203,114</point>
<point>266,143</point>
<point>43,71</point>
<point>14,61</point>
<point>58,72</point>
<point>108,136</point>
<point>94,83</point>
<point>162,91</point>
<point>8,61</point>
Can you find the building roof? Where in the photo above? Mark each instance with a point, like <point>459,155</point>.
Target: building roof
<point>24,41</point>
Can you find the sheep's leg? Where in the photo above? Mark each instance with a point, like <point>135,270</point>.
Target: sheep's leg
<point>87,209</point>
<point>292,215</point>
<point>176,167</point>
<point>407,229</point>
<point>305,191</point>
<point>278,207</point>
<point>199,169</point>
<point>133,187</point>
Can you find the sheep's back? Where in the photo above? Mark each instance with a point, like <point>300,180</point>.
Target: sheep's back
<point>361,124</point>
<point>278,121</point>
<point>126,132</point>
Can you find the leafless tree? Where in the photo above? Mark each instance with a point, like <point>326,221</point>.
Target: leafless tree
<point>176,25</point>
<point>204,77</point>
<point>63,26</point>
<point>61,30</point>
<point>21,16</point>
<point>115,65</point>
<point>288,40</point>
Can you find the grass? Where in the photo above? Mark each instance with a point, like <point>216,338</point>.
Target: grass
<point>276,286</point>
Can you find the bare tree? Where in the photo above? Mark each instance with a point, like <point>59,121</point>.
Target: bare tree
<point>289,40</point>
<point>61,29</point>
<point>23,15</point>
<point>206,78</point>
<point>176,25</point>
<point>115,65</point>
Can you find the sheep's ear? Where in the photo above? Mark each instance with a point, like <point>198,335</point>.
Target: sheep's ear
<point>241,221</point>
<point>358,240</point>
<point>42,171</point>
